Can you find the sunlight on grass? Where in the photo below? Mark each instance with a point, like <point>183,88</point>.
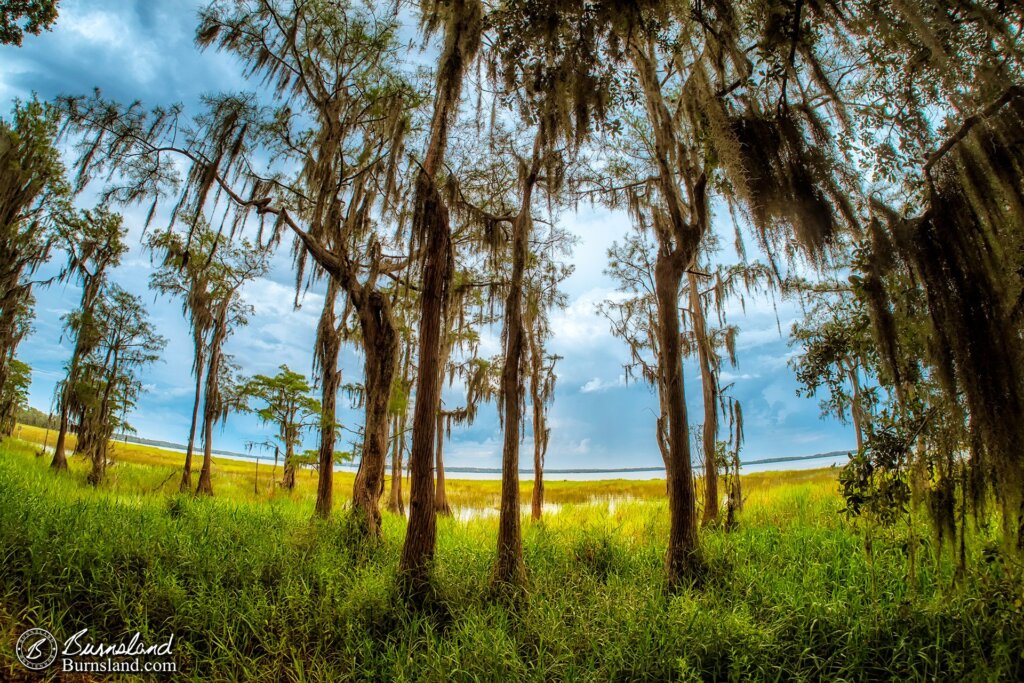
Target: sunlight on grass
<point>255,589</point>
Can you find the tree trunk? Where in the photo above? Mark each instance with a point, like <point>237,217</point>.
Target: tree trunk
<point>540,436</point>
<point>380,345</point>
<point>441,505</point>
<point>395,502</point>
<point>855,411</point>
<point>430,224</point>
<point>709,385</point>
<point>509,567</point>
<point>328,349</point>
<point>683,549</point>
<point>211,399</point>
<point>418,550</point>
<point>288,478</point>
<point>99,449</point>
<point>90,291</point>
<point>679,240</point>
<point>60,461</point>
<point>186,473</point>
<point>537,499</point>
<point>205,485</point>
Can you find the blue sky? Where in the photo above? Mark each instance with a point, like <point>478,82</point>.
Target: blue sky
<point>143,49</point>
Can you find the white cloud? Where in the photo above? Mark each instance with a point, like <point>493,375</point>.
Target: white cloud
<point>109,32</point>
<point>727,376</point>
<point>580,326</point>
<point>598,385</point>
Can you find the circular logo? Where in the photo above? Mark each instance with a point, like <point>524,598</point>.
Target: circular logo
<point>36,648</point>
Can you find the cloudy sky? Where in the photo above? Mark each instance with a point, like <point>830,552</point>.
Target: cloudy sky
<point>143,50</point>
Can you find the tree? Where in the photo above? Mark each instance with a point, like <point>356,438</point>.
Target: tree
<point>33,200</point>
<point>14,395</point>
<point>189,271</point>
<point>462,21</point>
<point>543,61</point>
<point>709,124</point>
<point>321,175</point>
<point>18,17</point>
<point>706,334</point>
<point>399,409</point>
<point>287,404</point>
<point>544,276</point>
<point>710,340</point>
<point>240,262</point>
<point>94,240</point>
<point>837,352</point>
<point>108,383</point>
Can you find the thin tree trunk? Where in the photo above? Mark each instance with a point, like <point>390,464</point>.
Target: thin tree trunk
<point>710,396</point>
<point>441,505</point>
<point>60,461</point>
<point>329,348</point>
<point>540,436</point>
<point>537,498</point>
<point>205,485</point>
<point>99,449</point>
<point>186,473</point>
<point>509,567</point>
<point>855,412</point>
<point>395,502</point>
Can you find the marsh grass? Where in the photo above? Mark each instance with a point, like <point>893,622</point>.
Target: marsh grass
<point>256,590</point>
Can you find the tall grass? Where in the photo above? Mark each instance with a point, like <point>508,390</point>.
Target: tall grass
<point>256,590</point>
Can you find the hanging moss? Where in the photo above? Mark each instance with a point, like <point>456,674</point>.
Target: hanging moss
<point>785,179</point>
<point>962,250</point>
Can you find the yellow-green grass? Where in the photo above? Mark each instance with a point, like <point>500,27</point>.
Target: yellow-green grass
<point>236,479</point>
<point>257,590</point>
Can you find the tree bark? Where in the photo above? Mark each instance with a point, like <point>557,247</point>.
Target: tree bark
<point>60,461</point>
<point>99,449</point>
<point>288,477</point>
<point>709,386</point>
<point>418,550</point>
<point>380,344</point>
<point>855,409</point>
<point>395,502</point>
<point>683,552</point>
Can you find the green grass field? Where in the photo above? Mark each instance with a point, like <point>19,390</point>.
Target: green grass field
<point>254,589</point>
